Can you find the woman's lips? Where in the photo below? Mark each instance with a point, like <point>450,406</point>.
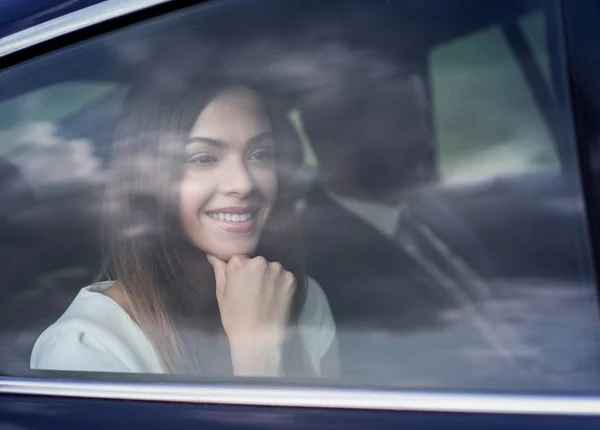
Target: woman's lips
<point>234,219</point>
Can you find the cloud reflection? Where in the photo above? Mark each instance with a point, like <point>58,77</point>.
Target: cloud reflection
<point>47,159</point>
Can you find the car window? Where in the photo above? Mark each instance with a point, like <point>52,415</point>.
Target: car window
<point>46,104</point>
<point>335,192</point>
<point>506,136</point>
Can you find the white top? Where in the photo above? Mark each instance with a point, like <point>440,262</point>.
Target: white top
<point>95,334</point>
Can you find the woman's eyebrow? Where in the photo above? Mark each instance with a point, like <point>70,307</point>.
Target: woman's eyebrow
<point>207,140</point>
<point>259,138</point>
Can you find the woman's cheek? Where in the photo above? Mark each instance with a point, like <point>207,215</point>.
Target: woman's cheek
<point>192,197</point>
<point>187,217</point>
<point>266,182</point>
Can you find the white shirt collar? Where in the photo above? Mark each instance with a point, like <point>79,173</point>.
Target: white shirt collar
<point>384,218</point>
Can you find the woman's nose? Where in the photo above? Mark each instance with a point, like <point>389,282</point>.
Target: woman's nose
<point>235,179</point>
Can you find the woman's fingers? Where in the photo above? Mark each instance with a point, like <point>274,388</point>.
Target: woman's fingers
<point>236,261</point>
<point>222,269</point>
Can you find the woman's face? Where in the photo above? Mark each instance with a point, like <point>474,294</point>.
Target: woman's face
<point>229,184</point>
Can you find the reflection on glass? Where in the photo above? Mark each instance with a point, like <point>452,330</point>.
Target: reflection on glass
<point>388,161</point>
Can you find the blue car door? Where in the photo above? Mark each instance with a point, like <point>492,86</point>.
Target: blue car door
<point>429,175</point>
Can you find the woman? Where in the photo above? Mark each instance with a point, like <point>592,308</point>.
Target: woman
<point>202,243</point>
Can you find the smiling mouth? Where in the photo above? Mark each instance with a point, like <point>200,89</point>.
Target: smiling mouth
<point>235,219</point>
<point>232,217</point>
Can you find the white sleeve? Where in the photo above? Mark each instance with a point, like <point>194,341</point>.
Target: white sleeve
<point>317,324</point>
<point>74,350</point>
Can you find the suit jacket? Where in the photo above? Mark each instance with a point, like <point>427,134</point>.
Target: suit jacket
<point>407,311</point>
<point>370,281</point>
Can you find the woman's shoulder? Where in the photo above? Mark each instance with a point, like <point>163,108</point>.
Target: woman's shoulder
<point>316,300</point>
<point>316,322</point>
<point>94,334</point>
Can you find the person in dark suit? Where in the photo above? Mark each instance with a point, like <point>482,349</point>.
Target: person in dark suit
<point>386,269</point>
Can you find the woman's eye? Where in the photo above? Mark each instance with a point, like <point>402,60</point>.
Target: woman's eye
<point>202,159</point>
<point>262,155</point>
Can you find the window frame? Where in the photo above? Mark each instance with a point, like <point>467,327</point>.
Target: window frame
<point>111,14</point>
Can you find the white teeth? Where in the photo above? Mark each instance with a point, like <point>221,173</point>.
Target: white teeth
<point>231,217</point>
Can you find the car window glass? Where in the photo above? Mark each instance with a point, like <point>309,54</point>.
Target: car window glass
<point>394,157</point>
<point>46,104</point>
<point>508,135</point>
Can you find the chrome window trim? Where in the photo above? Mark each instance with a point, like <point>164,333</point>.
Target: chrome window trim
<point>71,22</point>
<point>315,397</point>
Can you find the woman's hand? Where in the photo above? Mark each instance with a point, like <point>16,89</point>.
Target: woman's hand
<point>254,298</point>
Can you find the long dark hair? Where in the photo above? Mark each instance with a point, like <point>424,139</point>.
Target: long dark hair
<point>170,286</point>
